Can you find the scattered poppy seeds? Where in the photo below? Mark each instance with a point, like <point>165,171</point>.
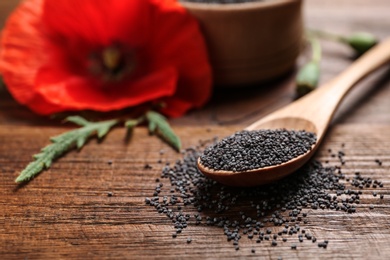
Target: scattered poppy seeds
<point>267,214</point>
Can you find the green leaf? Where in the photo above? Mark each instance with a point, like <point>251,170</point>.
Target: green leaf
<point>159,125</point>
<point>131,123</point>
<point>78,120</point>
<point>152,127</point>
<point>104,129</point>
<point>81,141</point>
<point>63,143</point>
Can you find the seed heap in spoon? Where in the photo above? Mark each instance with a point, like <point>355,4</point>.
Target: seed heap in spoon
<point>249,150</point>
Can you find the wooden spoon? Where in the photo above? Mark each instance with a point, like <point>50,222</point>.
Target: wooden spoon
<point>312,112</point>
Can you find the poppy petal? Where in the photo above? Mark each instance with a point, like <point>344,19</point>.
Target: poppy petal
<point>22,50</point>
<point>46,45</point>
<point>187,50</point>
<point>77,93</point>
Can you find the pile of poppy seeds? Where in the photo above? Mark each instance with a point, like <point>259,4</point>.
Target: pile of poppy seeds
<point>249,150</point>
<point>272,214</point>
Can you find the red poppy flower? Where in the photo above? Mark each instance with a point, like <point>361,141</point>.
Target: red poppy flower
<point>104,55</point>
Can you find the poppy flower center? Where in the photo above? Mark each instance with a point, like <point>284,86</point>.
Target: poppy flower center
<point>111,64</point>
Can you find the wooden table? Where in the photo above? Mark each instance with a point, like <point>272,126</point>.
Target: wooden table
<point>66,212</point>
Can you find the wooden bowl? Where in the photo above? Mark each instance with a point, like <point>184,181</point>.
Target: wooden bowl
<point>250,42</point>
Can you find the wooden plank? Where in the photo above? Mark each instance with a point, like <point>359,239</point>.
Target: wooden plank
<point>66,212</point>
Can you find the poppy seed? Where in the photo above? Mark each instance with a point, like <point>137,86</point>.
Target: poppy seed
<point>248,150</point>
<point>188,198</point>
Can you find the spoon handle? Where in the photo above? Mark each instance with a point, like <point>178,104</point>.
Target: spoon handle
<point>319,106</point>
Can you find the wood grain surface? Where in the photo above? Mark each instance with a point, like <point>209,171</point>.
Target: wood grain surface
<point>66,213</point>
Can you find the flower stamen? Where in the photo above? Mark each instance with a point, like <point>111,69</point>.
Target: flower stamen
<point>111,64</point>
<point>111,58</point>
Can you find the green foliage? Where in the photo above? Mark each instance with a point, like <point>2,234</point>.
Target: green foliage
<point>63,143</point>
<point>360,42</point>
<point>131,123</point>
<point>78,138</point>
<point>308,76</point>
<point>159,125</point>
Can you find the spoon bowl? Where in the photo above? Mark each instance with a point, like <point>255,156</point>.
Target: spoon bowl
<point>312,113</point>
<point>271,173</point>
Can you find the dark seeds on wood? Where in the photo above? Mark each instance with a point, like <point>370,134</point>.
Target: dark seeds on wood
<point>248,150</point>
<point>379,162</point>
<point>188,198</point>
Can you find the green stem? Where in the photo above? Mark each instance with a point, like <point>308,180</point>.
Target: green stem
<point>315,49</point>
<point>327,35</point>
<point>308,75</point>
